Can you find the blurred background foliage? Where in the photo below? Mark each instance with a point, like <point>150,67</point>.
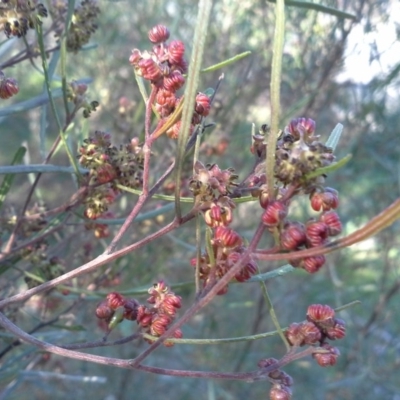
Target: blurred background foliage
<point>315,84</point>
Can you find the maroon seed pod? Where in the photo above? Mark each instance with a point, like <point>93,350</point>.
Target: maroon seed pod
<point>285,379</point>
<point>170,305</point>
<point>319,313</point>
<point>329,358</point>
<point>174,81</point>
<point>144,316</point>
<point>246,272</point>
<point>310,332</point>
<point>294,335</point>
<point>202,105</point>
<point>326,200</point>
<point>158,34</point>
<point>159,324</point>
<point>338,331</point>
<point>299,126</point>
<point>149,70</point>
<point>104,311</point>
<point>312,264</point>
<point>115,300</point>
<point>266,362</point>
<point>176,50</point>
<point>131,309</point>
<point>263,198</point>
<point>280,392</point>
<point>332,221</point>
<point>226,237</point>
<point>8,87</point>
<point>135,57</point>
<point>275,213</point>
<point>293,235</point>
<point>316,233</point>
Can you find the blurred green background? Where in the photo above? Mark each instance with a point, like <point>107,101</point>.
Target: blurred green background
<point>324,79</point>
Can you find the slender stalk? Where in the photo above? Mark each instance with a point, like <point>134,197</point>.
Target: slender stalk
<point>276,76</point>
<point>190,93</point>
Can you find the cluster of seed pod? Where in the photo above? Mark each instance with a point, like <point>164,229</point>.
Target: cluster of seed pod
<point>227,249</point>
<point>154,319</point>
<point>18,16</point>
<point>320,326</point>
<point>109,166</point>
<point>281,381</point>
<point>164,66</point>
<point>83,22</point>
<point>8,86</point>
<point>298,153</point>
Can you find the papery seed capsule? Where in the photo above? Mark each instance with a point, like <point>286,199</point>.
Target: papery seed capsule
<point>158,34</point>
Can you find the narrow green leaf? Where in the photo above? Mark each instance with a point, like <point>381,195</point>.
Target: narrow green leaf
<point>318,7</point>
<point>334,137</point>
<point>330,168</point>
<point>227,62</point>
<point>8,179</point>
